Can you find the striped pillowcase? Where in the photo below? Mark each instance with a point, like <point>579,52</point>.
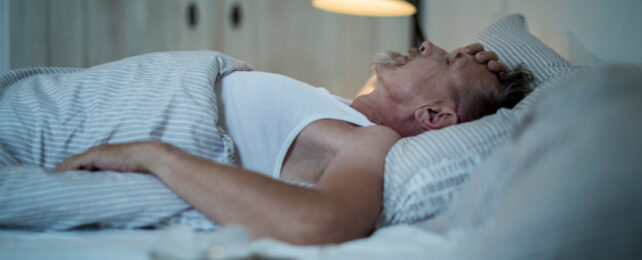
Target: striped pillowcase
<point>423,172</point>
<point>510,39</point>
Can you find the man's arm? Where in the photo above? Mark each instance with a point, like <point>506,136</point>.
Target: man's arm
<point>344,205</point>
<point>231,195</point>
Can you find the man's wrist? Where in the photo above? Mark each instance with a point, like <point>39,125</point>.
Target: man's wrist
<point>157,155</point>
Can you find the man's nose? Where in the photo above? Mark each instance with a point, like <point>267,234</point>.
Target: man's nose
<point>427,48</point>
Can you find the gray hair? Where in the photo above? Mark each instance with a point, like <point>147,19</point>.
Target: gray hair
<point>515,86</point>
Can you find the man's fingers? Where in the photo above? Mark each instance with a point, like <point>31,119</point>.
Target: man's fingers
<point>490,58</point>
<point>473,48</point>
<point>497,67</point>
<point>486,56</point>
<point>76,162</point>
<point>63,166</point>
<point>66,165</point>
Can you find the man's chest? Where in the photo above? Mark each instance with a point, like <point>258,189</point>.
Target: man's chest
<point>305,161</point>
<point>313,151</point>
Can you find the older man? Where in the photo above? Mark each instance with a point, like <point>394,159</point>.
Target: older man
<point>288,130</point>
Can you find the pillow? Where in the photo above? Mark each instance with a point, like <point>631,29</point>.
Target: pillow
<point>423,172</point>
<point>570,191</point>
<point>510,39</point>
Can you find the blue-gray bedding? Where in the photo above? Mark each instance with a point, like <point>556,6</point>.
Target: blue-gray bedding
<point>49,114</point>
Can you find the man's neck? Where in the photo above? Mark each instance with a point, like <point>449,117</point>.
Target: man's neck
<point>369,108</point>
<point>382,112</point>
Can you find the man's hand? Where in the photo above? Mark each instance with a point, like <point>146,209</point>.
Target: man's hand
<point>125,157</point>
<point>489,58</point>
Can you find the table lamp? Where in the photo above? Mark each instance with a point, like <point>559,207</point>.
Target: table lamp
<point>381,8</point>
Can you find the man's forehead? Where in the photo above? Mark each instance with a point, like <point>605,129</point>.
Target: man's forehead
<point>461,60</point>
<point>464,63</point>
<point>467,71</point>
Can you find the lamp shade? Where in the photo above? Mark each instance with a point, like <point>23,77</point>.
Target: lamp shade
<point>367,7</point>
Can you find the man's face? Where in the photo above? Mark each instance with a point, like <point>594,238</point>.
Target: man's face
<point>428,72</point>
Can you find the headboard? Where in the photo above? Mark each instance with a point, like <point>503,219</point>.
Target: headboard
<point>583,31</point>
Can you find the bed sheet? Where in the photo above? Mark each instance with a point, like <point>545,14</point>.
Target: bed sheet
<point>180,242</point>
<point>104,244</point>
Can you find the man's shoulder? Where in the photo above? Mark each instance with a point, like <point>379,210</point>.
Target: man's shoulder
<point>376,132</point>
<point>374,139</point>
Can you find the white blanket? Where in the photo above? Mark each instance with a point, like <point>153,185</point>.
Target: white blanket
<point>49,114</point>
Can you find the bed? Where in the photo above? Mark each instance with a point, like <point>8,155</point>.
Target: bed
<point>555,177</point>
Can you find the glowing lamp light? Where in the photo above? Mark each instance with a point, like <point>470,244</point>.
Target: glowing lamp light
<point>367,7</point>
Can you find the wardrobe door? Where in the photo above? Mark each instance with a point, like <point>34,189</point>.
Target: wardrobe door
<point>28,33</point>
<point>200,24</point>
<point>321,48</point>
<point>67,33</point>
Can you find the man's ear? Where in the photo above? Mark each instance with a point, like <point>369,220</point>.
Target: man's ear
<point>436,117</point>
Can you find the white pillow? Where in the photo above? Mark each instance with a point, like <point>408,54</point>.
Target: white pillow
<point>422,172</point>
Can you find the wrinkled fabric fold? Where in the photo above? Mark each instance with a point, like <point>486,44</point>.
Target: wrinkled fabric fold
<point>49,114</point>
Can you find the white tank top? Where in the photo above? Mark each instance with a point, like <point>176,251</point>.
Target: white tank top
<point>265,112</point>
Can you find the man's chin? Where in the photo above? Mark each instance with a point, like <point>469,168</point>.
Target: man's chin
<point>388,60</point>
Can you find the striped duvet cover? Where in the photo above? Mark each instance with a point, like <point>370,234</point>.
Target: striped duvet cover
<point>48,114</point>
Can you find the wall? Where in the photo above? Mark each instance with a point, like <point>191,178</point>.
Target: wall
<point>4,35</point>
<point>282,36</point>
<point>83,33</point>
<point>583,31</point>
<point>325,49</point>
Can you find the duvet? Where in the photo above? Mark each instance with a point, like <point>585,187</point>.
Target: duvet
<point>49,114</point>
